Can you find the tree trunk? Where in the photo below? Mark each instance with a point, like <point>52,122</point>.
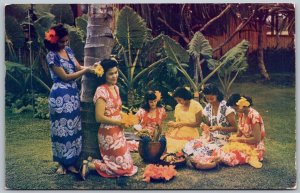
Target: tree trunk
<point>99,44</point>
<point>260,53</point>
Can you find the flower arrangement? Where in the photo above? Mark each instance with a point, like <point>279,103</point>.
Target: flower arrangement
<point>51,36</point>
<point>129,119</point>
<point>159,172</point>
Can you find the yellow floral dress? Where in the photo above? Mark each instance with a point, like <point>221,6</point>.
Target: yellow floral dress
<point>178,137</point>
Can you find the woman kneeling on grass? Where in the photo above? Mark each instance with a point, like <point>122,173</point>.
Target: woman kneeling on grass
<point>247,146</point>
<point>117,161</point>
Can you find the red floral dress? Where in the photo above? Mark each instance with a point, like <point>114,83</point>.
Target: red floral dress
<point>117,160</point>
<point>246,127</point>
<point>150,123</point>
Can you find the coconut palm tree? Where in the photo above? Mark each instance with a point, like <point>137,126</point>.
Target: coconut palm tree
<point>99,44</point>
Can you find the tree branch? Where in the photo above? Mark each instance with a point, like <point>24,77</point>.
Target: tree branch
<point>239,28</point>
<point>174,30</point>
<point>215,18</point>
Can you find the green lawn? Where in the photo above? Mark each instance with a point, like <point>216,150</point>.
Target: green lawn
<point>29,159</point>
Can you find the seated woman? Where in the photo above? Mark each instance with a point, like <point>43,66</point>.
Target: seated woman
<point>151,114</point>
<point>218,125</point>
<point>218,116</point>
<point>249,137</point>
<point>188,114</point>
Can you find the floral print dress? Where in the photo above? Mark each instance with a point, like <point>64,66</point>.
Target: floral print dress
<point>64,106</point>
<point>246,125</point>
<point>206,147</point>
<point>149,123</point>
<point>116,157</point>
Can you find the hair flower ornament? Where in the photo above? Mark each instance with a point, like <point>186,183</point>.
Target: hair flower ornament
<point>51,36</point>
<point>158,95</point>
<point>99,71</point>
<point>243,103</point>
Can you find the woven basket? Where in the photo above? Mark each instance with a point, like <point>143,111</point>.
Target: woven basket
<point>204,166</point>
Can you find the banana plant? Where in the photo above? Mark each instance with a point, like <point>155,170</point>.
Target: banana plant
<point>235,61</point>
<point>132,36</point>
<point>180,57</point>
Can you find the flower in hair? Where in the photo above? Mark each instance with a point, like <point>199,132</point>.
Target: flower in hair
<point>99,71</point>
<point>158,95</point>
<point>243,102</point>
<point>51,36</point>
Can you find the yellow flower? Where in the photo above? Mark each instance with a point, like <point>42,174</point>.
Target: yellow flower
<point>129,119</point>
<point>99,71</point>
<point>158,95</point>
<point>246,149</point>
<point>243,103</point>
<point>187,88</point>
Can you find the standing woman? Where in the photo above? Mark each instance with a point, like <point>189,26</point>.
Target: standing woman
<point>117,160</point>
<point>64,101</point>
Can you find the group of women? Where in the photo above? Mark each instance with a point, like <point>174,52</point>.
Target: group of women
<point>216,121</point>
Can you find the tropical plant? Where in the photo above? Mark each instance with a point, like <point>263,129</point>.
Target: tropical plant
<point>132,36</point>
<point>235,62</point>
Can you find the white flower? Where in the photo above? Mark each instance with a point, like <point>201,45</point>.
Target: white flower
<point>66,98</point>
<point>119,160</point>
<point>109,139</point>
<point>59,101</point>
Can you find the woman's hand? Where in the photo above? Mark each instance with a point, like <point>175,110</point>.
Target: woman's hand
<point>214,128</point>
<point>178,125</point>
<point>171,123</point>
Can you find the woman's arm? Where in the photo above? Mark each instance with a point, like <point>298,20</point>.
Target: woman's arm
<point>60,72</point>
<point>99,114</point>
<point>194,124</point>
<point>231,120</point>
<point>255,139</point>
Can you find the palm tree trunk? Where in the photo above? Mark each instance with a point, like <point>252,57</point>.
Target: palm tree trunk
<point>99,44</point>
<point>260,53</point>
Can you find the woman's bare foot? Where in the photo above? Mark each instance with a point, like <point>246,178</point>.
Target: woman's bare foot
<point>72,169</point>
<point>61,170</point>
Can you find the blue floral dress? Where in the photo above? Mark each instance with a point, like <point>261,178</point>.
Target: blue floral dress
<point>64,106</point>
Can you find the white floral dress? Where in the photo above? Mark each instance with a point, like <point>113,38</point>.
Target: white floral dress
<point>116,157</point>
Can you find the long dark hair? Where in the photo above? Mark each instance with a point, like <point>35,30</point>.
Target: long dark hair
<point>150,95</point>
<point>61,32</point>
<point>107,64</point>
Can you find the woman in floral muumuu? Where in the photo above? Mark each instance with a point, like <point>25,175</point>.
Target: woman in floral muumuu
<point>247,146</point>
<point>117,161</point>
<point>152,113</point>
<point>64,101</point>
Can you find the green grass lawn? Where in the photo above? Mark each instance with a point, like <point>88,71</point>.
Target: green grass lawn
<point>29,165</point>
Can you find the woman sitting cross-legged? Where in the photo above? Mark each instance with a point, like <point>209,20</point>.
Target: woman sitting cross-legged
<point>248,145</point>
<point>152,113</point>
<point>188,115</point>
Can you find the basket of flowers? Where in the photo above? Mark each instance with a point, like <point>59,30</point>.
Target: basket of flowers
<point>177,159</point>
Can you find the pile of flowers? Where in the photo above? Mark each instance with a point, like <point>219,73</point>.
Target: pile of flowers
<point>159,172</point>
<point>251,153</point>
<point>129,119</point>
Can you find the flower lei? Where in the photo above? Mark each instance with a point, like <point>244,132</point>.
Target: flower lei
<point>243,103</point>
<point>51,36</point>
